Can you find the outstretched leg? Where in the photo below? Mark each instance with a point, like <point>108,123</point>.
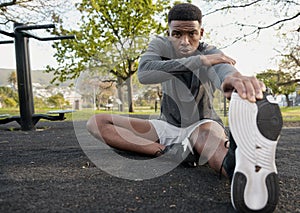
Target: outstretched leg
<point>125,133</point>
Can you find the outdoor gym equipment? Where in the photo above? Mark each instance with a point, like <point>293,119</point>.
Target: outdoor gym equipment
<point>27,118</point>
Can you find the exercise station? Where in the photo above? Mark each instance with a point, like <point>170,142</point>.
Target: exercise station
<point>20,38</point>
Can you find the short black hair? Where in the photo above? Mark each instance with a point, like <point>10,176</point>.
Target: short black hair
<point>185,12</point>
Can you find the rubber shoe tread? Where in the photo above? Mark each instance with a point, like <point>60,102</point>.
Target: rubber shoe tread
<point>255,128</point>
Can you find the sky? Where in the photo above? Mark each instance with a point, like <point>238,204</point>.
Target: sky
<point>252,56</point>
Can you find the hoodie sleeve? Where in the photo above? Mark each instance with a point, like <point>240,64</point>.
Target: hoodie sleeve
<point>160,64</point>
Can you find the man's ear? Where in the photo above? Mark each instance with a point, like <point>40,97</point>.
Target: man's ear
<point>201,32</point>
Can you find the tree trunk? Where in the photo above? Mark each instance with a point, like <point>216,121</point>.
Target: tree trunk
<point>287,100</point>
<point>120,94</point>
<point>129,90</point>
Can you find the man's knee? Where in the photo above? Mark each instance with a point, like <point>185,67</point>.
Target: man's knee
<point>206,132</point>
<point>96,123</point>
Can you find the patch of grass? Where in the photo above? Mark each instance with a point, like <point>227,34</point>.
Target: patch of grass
<point>289,114</point>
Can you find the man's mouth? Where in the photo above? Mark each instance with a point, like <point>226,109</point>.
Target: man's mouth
<point>185,51</point>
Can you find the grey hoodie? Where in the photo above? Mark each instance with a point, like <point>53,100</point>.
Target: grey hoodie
<point>187,85</point>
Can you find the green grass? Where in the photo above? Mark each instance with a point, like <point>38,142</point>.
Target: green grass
<point>290,114</point>
<point>83,114</point>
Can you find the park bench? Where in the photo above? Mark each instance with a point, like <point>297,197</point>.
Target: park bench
<point>61,114</point>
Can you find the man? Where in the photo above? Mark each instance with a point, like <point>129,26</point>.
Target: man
<point>189,71</point>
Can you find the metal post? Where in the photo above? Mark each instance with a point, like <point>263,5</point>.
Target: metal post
<point>27,118</point>
<point>225,106</point>
<point>24,79</point>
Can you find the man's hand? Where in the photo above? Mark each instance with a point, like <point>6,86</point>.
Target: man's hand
<point>249,88</point>
<point>213,59</point>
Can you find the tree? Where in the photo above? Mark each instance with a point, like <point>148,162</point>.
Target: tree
<point>8,97</point>
<point>57,101</point>
<point>281,15</point>
<point>31,11</point>
<point>111,38</point>
<point>12,79</point>
<point>277,80</point>
<point>290,58</point>
<point>286,78</point>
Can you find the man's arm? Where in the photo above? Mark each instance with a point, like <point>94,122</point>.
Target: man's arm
<point>159,63</point>
<point>248,87</point>
<point>156,66</point>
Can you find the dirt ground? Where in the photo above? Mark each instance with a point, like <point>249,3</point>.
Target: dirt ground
<point>47,171</point>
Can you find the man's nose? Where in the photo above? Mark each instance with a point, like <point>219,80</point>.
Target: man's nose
<point>184,40</point>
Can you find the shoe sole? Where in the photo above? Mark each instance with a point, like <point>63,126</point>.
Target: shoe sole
<point>255,128</point>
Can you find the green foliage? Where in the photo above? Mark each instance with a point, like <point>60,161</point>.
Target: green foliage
<point>9,102</point>
<point>8,97</point>
<point>278,81</point>
<point>12,79</point>
<point>57,101</point>
<point>111,37</point>
<point>39,103</point>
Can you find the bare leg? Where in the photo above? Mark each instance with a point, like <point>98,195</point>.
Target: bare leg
<point>129,134</point>
<point>208,140</point>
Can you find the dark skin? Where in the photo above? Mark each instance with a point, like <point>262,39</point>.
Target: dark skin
<point>186,35</point>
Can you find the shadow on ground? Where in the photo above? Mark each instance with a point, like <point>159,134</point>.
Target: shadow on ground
<point>47,171</point>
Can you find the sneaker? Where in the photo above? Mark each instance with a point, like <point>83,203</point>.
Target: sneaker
<point>178,153</point>
<point>255,128</point>
<point>229,159</point>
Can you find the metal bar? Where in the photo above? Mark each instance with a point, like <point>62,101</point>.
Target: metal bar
<point>10,119</point>
<point>225,106</point>
<point>57,38</point>
<point>33,27</point>
<point>6,42</point>
<point>48,38</point>
<point>7,33</point>
<point>24,81</point>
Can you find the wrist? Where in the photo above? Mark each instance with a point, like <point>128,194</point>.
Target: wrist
<point>204,61</point>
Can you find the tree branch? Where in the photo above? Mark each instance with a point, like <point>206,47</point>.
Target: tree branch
<point>6,4</point>
<point>270,25</point>
<point>232,6</point>
<point>292,2</point>
<point>288,82</point>
<point>277,22</point>
<point>240,38</point>
<point>291,56</point>
<point>259,28</point>
<point>109,80</point>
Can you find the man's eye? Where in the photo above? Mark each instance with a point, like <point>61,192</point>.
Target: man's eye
<point>192,34</point>
<point>176,34</point>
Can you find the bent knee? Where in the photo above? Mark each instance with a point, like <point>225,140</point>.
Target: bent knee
<point>207,130</point>
<point>96,122</point>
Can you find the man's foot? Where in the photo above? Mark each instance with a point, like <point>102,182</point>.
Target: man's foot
<point>228,163</point>
<point>255,128</point>
<point>177,153</point>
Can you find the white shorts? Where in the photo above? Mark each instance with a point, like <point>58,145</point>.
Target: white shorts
<point>169,134</point>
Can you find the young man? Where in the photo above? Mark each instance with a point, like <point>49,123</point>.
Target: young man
<point>189,71</point>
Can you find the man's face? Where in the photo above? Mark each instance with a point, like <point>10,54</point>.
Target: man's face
<point>185,36</point>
